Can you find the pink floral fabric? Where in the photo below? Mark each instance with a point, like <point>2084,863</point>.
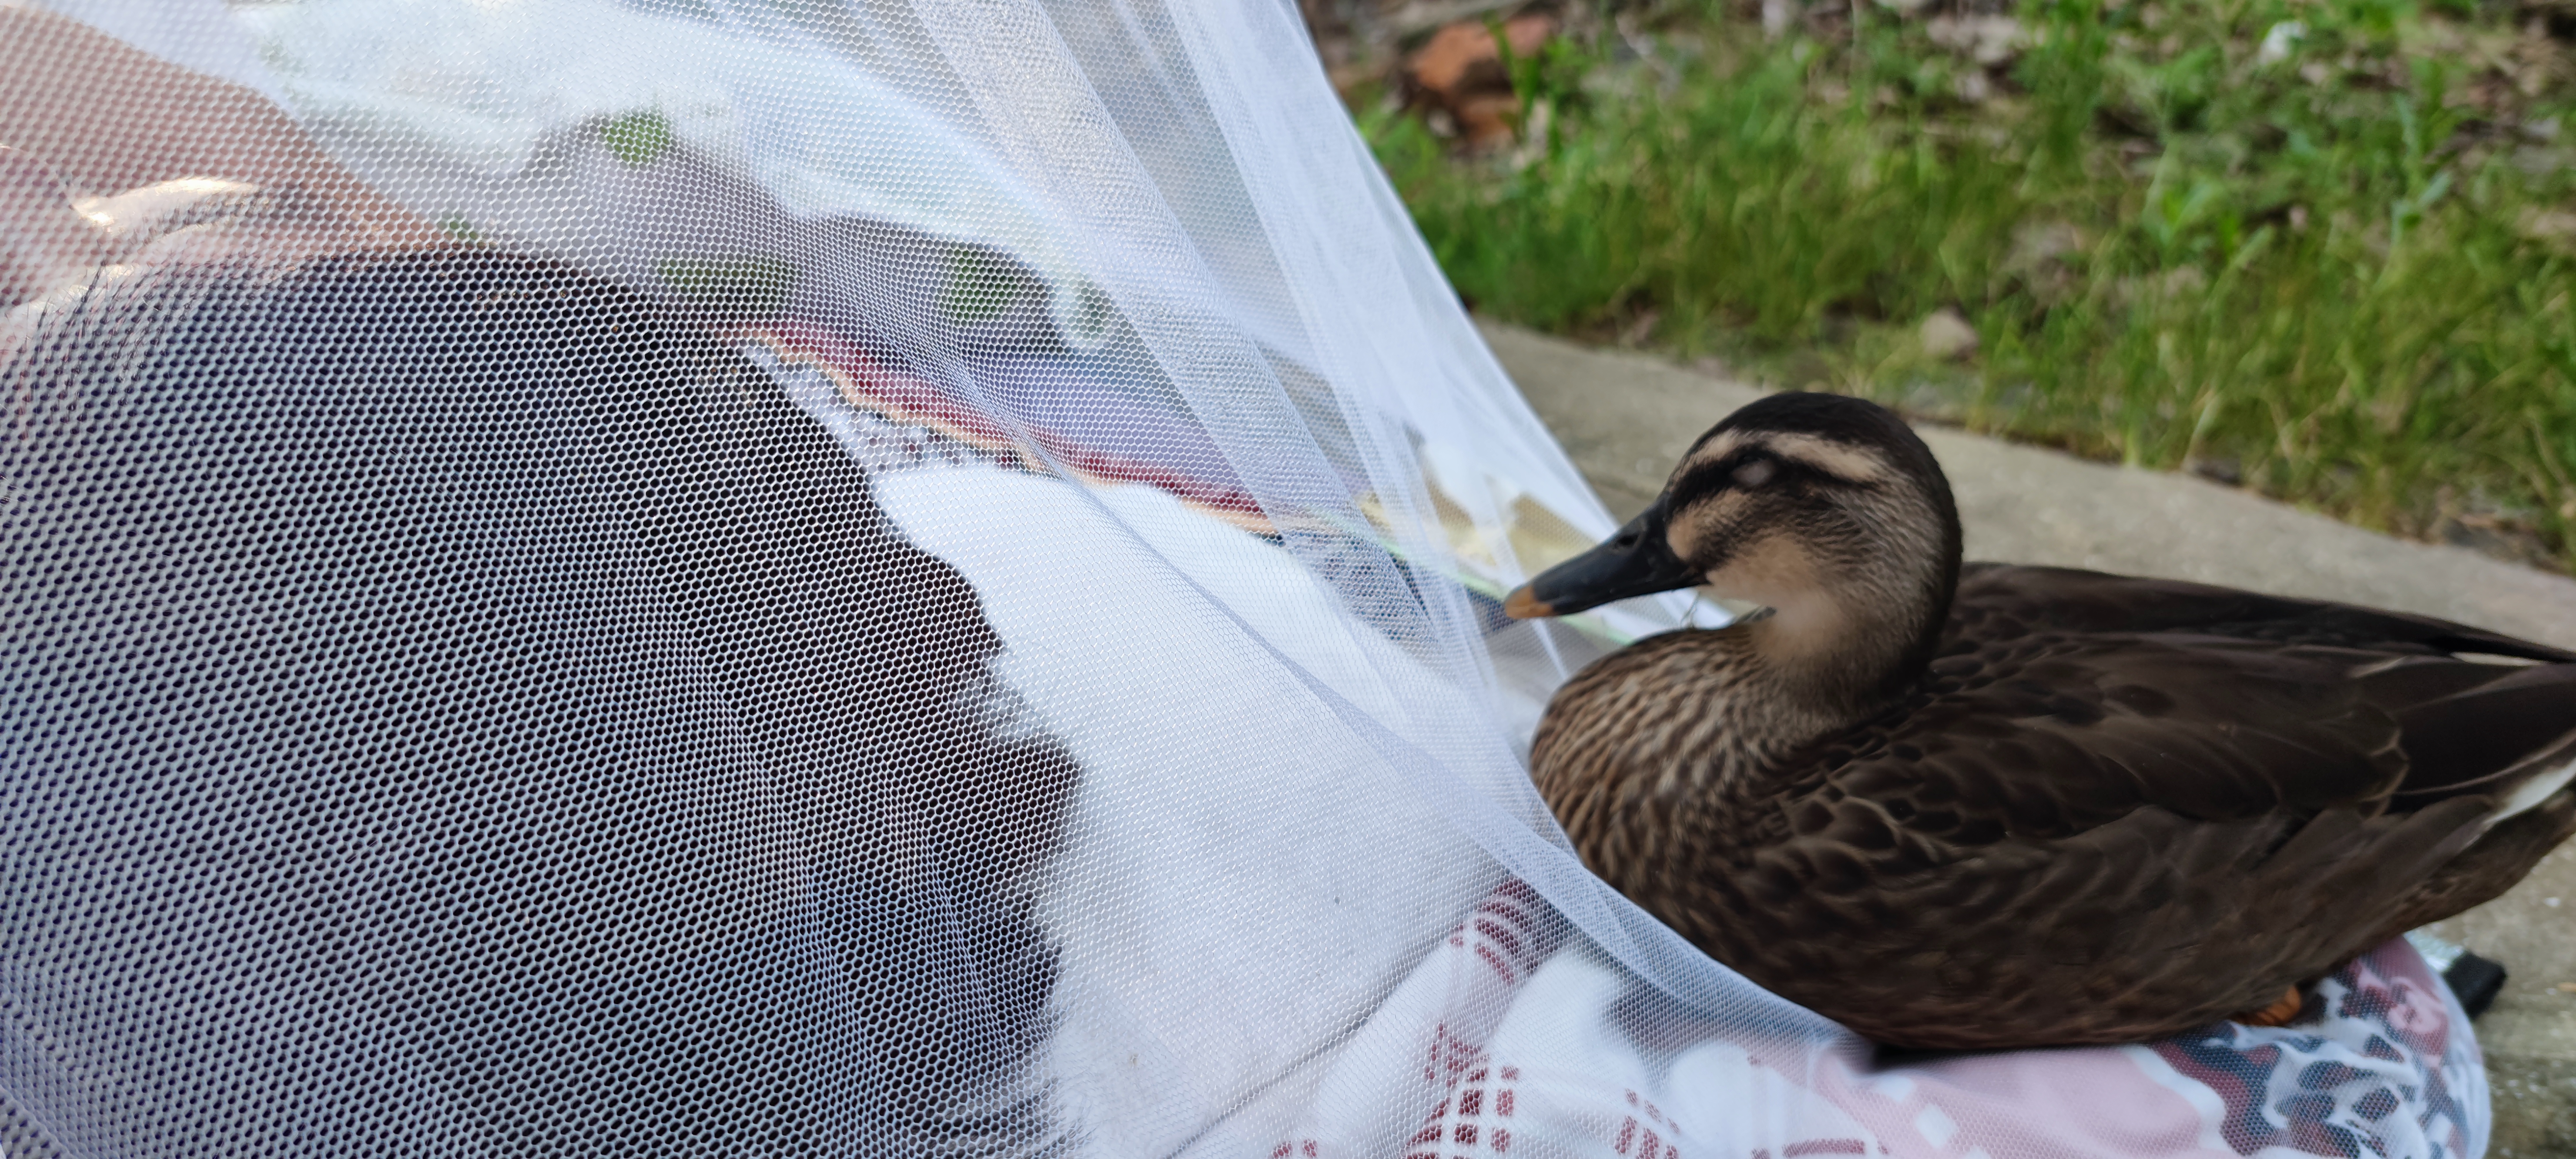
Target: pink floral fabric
<point>1514,1040</point>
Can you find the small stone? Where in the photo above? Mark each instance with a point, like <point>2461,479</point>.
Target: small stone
<point>2279,41</point>
<point>1988,40</point>
<point>2555,228</point>
<point>1777,16</point>
<point>1945,334</point>
<point>2036,243</point>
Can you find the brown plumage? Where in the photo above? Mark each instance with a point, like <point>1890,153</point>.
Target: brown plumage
<point>1996,806</point>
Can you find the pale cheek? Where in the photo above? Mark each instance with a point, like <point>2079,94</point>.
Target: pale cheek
<point>1770,573</point>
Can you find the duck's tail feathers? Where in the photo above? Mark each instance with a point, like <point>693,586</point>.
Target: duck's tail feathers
<point>2511,739</point>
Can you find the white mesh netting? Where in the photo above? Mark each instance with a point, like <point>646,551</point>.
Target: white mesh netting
<point>845,576</point>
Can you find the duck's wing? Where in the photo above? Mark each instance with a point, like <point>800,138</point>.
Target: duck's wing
<point>2128,807</point>
<point>2206,811</point>
<point>2002,599</point>
<point>2463,726</point>
<point>2043,735</point>
<point>2051,737</point>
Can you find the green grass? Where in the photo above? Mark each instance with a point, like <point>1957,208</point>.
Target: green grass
<point>2343,276</point>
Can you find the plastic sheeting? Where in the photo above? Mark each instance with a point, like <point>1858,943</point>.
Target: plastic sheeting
<point>849,578</point>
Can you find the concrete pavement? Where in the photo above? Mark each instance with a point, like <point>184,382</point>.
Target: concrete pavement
<point>1626,418</point>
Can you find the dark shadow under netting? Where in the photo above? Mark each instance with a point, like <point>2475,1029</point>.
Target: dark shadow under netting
<point>454,701</point>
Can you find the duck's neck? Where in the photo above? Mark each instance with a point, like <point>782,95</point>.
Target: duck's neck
<point>1677,717</point>
<point>1838,657</point>
<point>1689,710</point>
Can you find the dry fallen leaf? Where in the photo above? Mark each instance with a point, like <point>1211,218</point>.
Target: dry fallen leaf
<point>1460,72</point>
<point>1462,56</point>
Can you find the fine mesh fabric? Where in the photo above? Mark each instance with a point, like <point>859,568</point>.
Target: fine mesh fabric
<point>848,577</point>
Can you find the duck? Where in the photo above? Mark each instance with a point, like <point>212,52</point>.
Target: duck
<point>1979,806</point>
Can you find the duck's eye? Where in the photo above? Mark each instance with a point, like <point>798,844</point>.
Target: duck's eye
<point>1755,472</point>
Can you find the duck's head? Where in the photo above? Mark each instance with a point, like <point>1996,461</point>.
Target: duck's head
<point>1828,511</point>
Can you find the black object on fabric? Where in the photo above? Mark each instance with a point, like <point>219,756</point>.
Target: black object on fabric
<point>449,696</point>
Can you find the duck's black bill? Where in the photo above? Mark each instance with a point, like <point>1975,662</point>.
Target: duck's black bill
<point>1635,562</point>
